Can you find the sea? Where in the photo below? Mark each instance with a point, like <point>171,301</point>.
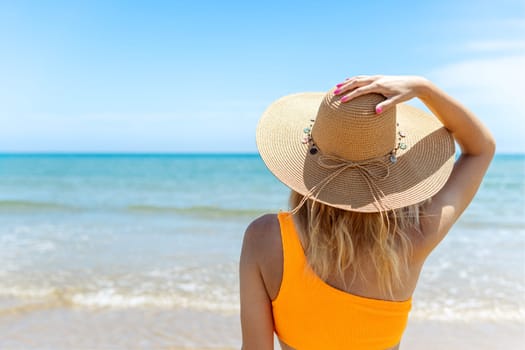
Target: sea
<point>125,251</point>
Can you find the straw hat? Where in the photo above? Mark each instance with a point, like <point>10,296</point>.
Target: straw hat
<point>347,156</point>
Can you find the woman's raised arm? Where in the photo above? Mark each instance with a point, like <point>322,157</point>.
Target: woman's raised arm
<point>476,142</point>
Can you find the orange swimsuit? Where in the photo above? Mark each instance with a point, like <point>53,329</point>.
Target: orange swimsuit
<point>310,314</point>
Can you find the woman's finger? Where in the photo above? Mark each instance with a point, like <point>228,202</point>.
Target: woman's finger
<point>363,90</point>
<point>359,79</point>
<point>351,80</point>
<point>352,84</point>
<point>344,82</point>
<point>387,104</point>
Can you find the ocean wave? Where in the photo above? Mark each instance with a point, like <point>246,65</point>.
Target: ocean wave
<point>111,299</point>
<point>464,312</point>
<point>201,211</point>
<point>29,300</point>
<point>27,206</point>
<point>514,224</point>
<point>205,211</point>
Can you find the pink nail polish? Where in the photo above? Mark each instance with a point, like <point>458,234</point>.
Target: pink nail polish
<point>337,91</point>
<point>344,99</point>
<point>339,85</point>
<point>379,110</point>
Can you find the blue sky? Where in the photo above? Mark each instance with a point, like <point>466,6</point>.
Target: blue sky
<point>194,76</point>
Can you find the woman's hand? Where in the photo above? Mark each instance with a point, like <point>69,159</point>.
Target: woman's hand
<point>476,142</point>
<point>395,88</point>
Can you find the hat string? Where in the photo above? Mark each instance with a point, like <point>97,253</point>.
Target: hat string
<point>371,171</point>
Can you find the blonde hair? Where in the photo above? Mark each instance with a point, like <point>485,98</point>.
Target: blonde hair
<point>336,240</point>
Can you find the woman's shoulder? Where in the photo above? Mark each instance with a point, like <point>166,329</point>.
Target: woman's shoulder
<point>263,224</point>
<point>263,234</point>
<point>262,246</point>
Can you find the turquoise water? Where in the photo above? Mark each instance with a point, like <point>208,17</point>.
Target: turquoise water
<point>164,232</point>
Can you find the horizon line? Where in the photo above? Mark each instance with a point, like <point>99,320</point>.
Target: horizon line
<point>123,153</point>
<point>167,153</point>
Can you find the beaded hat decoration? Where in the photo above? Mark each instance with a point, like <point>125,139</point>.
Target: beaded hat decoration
<point>347,156</point>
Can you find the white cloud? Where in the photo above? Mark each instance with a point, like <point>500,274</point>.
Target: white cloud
<point>496,46</point>
<point>494,89</point>
<point>506,27</point>
<point>497,80</point>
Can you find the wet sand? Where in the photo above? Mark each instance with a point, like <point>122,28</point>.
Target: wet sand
<point>69,328</point>
<point>457,335</point>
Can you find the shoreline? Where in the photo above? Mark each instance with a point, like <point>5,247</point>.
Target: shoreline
<point>183,329</point>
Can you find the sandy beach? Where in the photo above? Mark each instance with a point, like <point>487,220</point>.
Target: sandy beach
<point>438,335</point>
<point>62,329</point>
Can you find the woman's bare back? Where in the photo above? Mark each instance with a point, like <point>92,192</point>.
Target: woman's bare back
<point>272,272</point>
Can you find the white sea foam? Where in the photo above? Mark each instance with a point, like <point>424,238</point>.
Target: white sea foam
<point>27,293</point>
<point>452,312</point>
<point>113,299</point>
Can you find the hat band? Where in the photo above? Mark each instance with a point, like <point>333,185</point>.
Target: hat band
<point>370,170</point>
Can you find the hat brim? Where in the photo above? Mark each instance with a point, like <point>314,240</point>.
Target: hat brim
<point>420,171</point>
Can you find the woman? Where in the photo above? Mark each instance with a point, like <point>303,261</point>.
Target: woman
<point>375,188</point>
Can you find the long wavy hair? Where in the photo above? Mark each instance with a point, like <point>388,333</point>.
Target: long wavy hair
<point>337,240</point>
